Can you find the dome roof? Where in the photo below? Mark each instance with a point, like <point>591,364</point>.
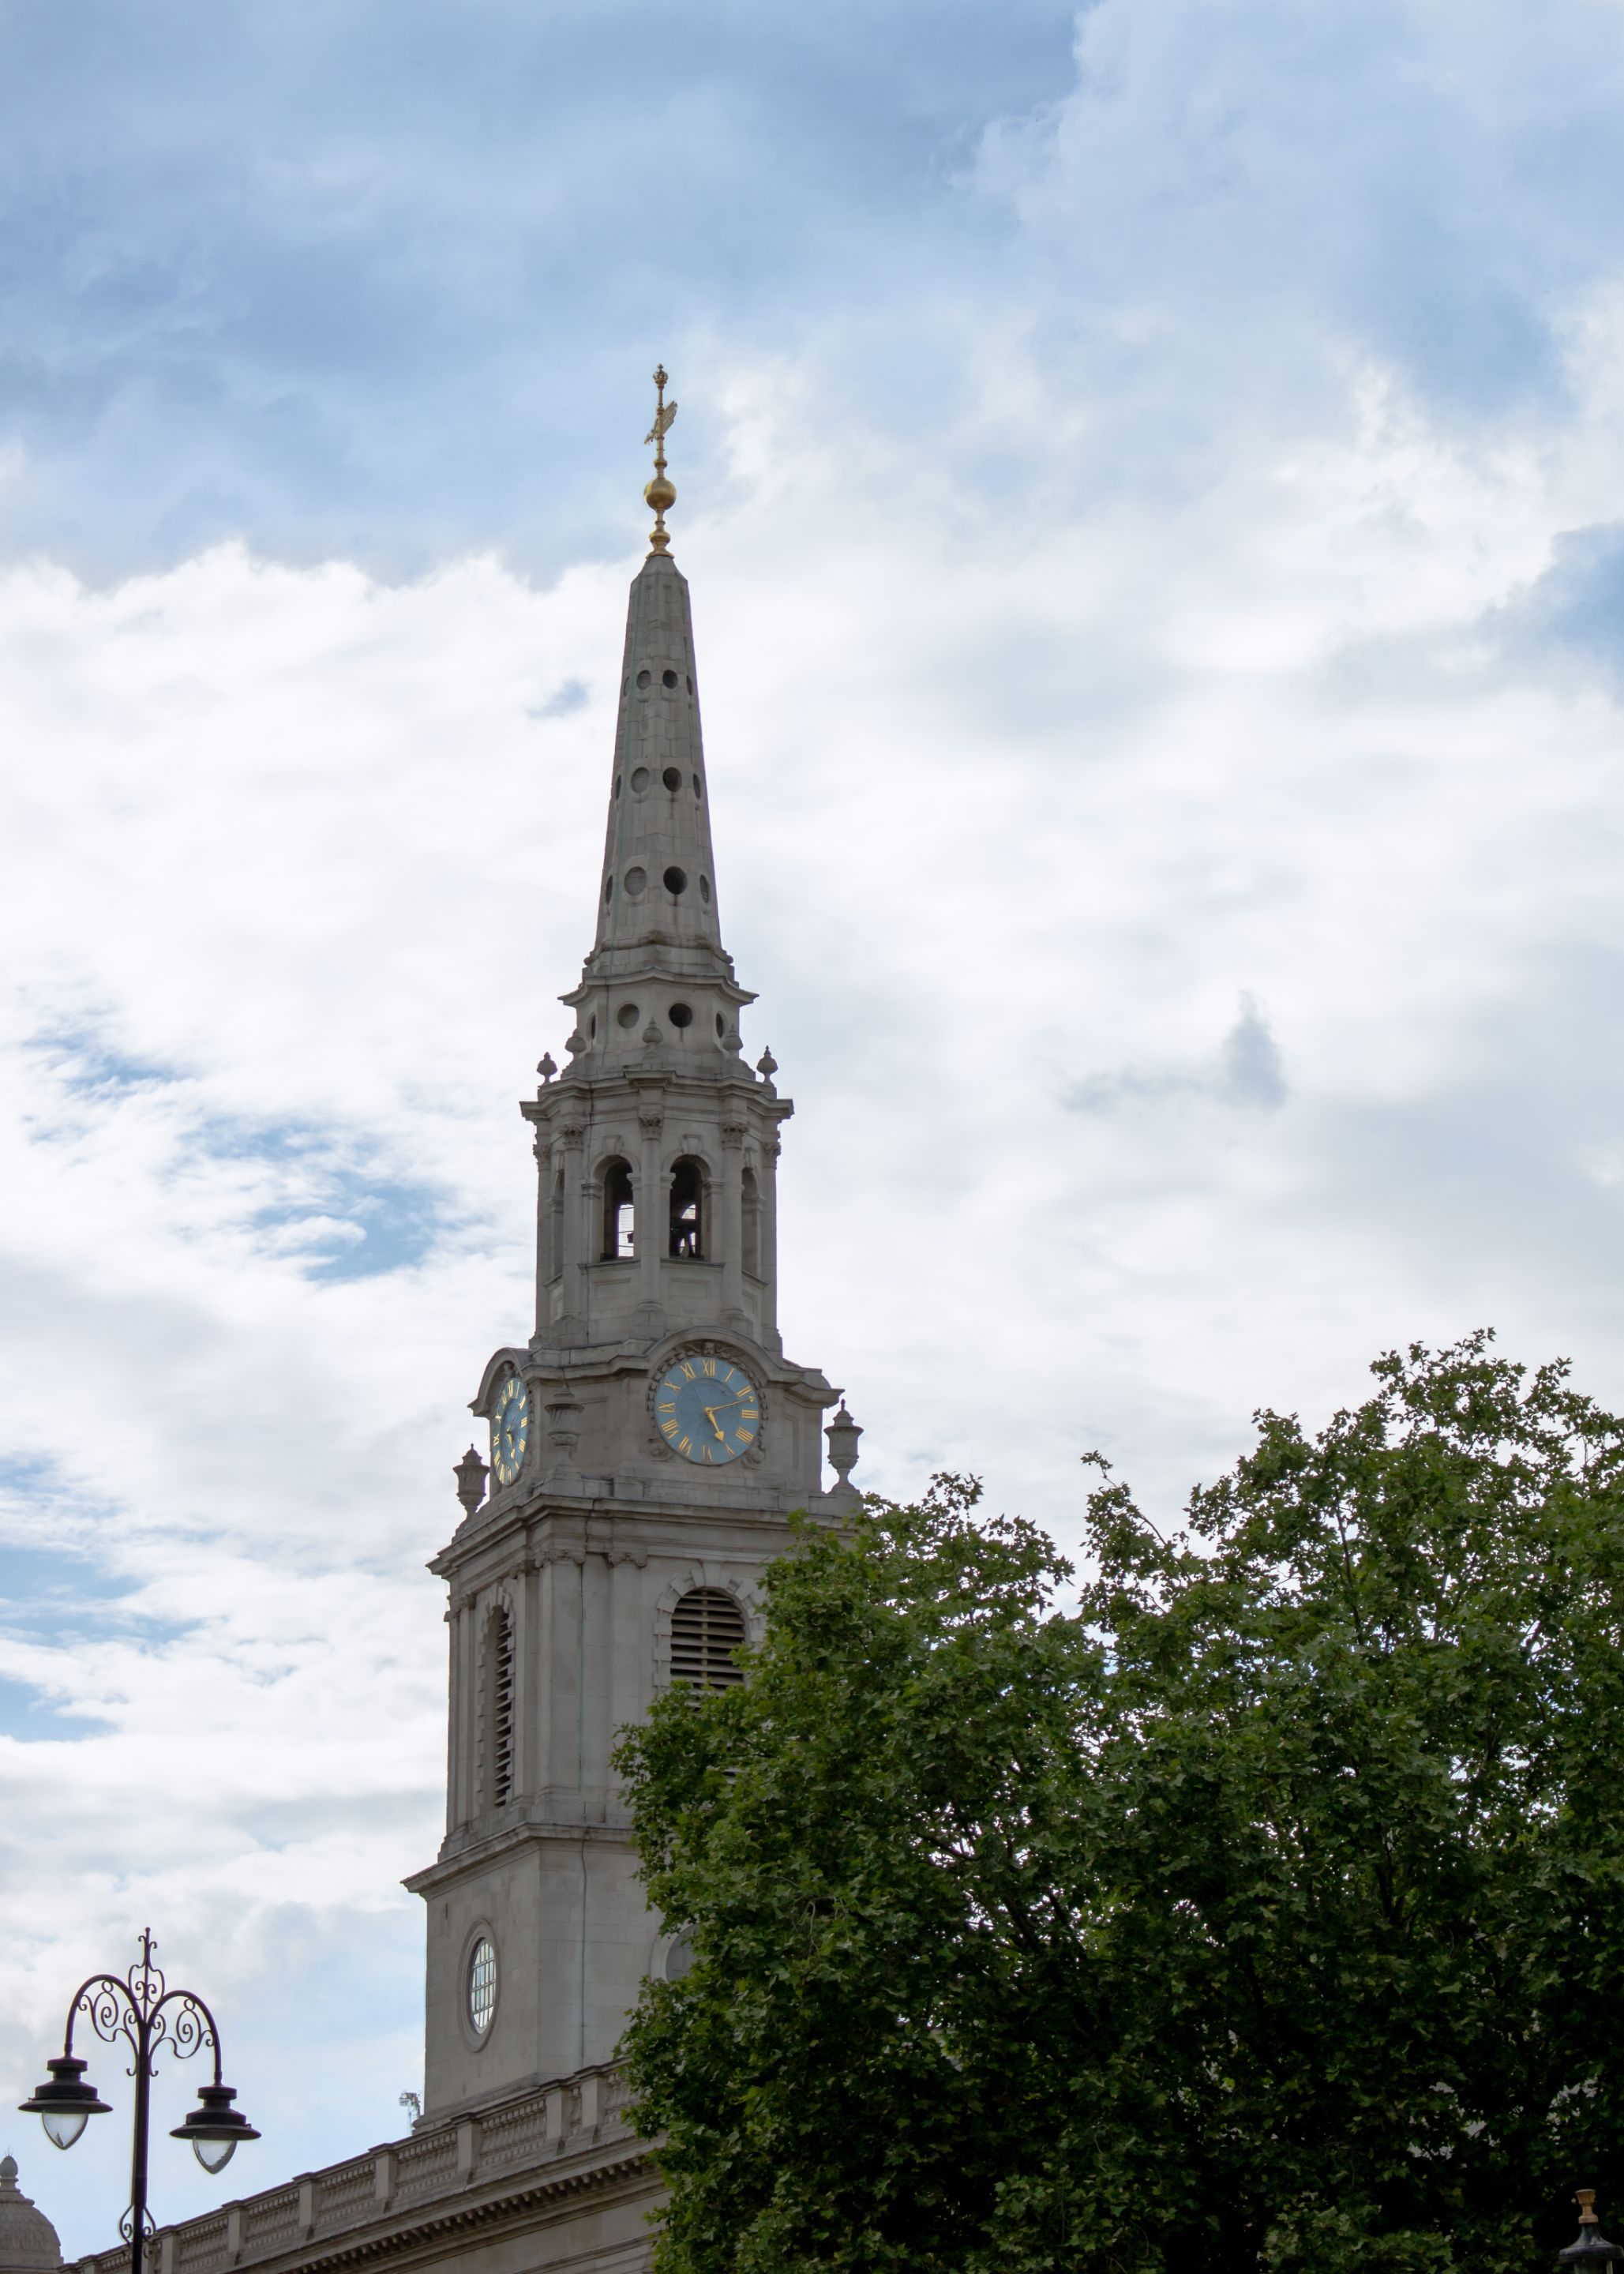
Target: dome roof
<point>28,2243</point>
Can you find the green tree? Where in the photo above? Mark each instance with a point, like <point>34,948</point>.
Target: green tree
<point>1265,1910</point>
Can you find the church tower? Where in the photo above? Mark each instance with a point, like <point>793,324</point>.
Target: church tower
<point>648,1444</point>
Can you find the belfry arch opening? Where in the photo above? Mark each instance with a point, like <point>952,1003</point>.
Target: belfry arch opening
<point>620,1213</point>
<point>687,1190</point>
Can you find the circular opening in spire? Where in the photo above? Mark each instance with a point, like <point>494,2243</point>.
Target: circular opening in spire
<point>679,1015</point>
<point>668,678</point>
<point>643,680</point>
<point>704,890</point>
<point>617,785</point>
<point>690,687</point>
<point>718,1026</point>
<point>627,1015</point>
<point>698,790</point>
<point>635,880</point>
<point>592,1029</point>
<point>608,888</point>
<point>672,779</point>
<point>639,781</point>
<point>675,881</point>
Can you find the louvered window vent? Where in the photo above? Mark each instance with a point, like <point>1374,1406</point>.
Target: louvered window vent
<point>707,1627</point>
<point>502,1711</point>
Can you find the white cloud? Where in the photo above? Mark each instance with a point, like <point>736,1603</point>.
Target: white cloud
<point>293,894</point>
<point>1200,707</point>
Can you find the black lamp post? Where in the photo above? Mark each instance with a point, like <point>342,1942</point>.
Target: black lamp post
<point>147,2014</point>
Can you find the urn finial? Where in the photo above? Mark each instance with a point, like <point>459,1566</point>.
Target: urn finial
<point>471,1473</point>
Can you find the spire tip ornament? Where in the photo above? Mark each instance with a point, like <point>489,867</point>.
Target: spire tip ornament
<point>661,492</point>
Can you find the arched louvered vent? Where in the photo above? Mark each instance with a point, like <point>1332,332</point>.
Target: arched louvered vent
<point>707,1627</point>
<point>501,1710</point>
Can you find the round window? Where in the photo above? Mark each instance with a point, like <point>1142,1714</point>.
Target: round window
<point>482,1985</point>
<point>680,1959</point>
<point>675,881</point>
<point>680,1015</point>
<point>627,1015</point>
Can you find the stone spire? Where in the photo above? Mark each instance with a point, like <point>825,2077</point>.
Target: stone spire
<point>575,1585</point>
<point>659,923</point>
<point>28,2243</point>
<point>658,887</point>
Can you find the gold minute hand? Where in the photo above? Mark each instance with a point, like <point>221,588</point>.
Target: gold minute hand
<point>710,1411</point>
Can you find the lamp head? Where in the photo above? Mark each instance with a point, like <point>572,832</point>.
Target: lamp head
<point>64,2104</point>
<point>214,2126</point>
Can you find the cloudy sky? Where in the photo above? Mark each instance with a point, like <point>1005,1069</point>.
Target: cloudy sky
<point>1151,480</point>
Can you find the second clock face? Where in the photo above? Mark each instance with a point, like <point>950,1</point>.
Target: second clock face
<point>510,1429</point>
<point>707,1409</point>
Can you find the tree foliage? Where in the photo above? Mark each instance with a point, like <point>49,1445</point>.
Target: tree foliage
<point>1265,1909</point>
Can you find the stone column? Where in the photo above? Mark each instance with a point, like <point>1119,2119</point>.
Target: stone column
<point>769,1196</point>
<point>577,1232</point>
<point>459,1801</point>
<point>652,1217</point>
<point>728,1206</point>
<point>544,1210</point>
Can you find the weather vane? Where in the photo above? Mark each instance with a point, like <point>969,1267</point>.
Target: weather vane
<point>660,493</point>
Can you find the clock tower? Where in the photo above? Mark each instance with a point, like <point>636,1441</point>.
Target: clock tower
<point>649,1442</point>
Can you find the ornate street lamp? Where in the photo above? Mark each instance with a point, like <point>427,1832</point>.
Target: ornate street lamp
<point>147,2014</point>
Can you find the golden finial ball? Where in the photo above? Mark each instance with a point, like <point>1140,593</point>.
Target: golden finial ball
<point>661,493</point>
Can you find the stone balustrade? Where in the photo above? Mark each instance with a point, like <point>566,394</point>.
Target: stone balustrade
<point>515,2137</point>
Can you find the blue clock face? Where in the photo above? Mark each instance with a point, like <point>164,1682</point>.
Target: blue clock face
<point>707,1409</point>
<point>510,1429</point>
